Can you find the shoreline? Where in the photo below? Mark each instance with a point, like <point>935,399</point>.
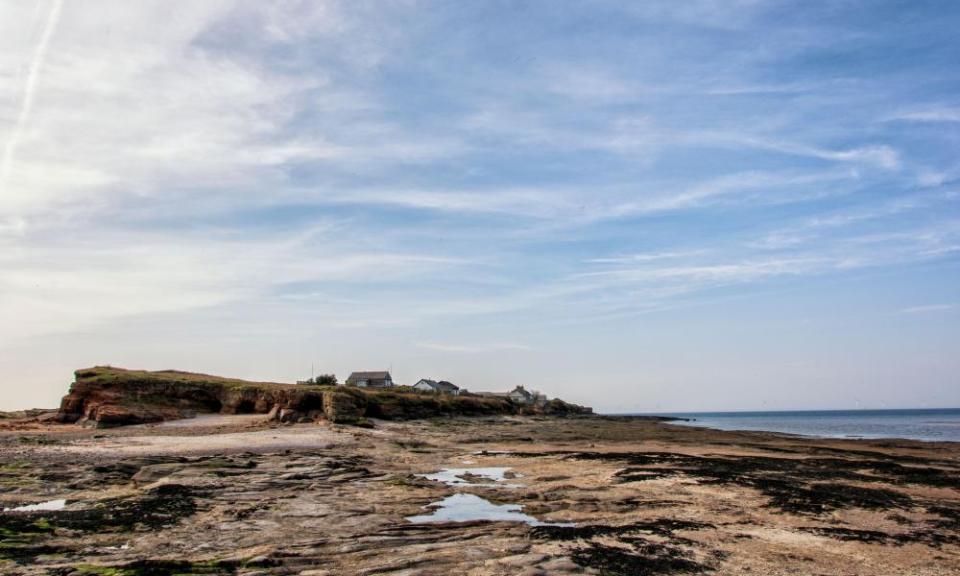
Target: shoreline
<point>786,422</point>
<point>579,495</point>
<point>819,436</point>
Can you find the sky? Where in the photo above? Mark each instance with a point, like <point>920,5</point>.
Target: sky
<point>656,206</point>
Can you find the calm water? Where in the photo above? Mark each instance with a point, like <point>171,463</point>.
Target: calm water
<point>929,424</point>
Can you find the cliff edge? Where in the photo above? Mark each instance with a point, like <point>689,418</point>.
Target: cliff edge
<point>105,396</point>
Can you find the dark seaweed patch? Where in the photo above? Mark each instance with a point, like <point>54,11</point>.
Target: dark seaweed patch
<point>161,506</point>
<point>798,485</point>
<point>661,527</point>
<point>22,532</point>
<point>642,556</point>
<point>852,535</point>
<point>151,568</point>
<point>926,536</point>
<point>643,559</point>
<point>790,496</point>
<point>640,475</point>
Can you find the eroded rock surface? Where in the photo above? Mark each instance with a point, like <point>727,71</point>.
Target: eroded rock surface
<point>610,496</point>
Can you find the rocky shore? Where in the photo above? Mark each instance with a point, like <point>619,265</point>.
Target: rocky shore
<point>240,494</point>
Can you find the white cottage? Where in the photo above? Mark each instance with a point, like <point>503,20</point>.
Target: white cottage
<point>442,387</point>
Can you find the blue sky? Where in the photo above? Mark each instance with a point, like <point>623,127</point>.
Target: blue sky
<point>640,206</point>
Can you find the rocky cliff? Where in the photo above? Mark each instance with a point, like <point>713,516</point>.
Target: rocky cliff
<point>107,396</point>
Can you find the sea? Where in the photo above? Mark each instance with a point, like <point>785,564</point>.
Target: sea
<point>932,425</point>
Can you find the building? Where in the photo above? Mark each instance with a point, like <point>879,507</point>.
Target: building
<point>539,399</point>
<point>370,380</point>
<point>442,387</point>
<point>520,395</point>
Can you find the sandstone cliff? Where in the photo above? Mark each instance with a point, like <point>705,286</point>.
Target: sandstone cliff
<point>106,396</point>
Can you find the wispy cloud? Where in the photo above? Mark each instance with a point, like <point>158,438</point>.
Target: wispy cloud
<point>934,114</point>
<point>643,257</point>
<point>474,348</point>
<point>928,308</point>
<point>29,92</point>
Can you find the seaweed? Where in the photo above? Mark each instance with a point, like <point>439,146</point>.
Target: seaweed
<point>810,485</point>
<point>22,532</point>
<point>643,556</point>
<point>151,568</point>
<point>644,559</point>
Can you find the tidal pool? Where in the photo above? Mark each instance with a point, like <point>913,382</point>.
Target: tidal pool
<point>50,505</point>
<point>460,477</point>
<point>468,507</point>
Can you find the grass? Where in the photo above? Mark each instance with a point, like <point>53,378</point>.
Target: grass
<point>112,375</point>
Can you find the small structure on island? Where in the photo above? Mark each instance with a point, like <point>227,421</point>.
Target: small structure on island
<point>520,395</point>
<point>369,380</point>
<point>441,387</point>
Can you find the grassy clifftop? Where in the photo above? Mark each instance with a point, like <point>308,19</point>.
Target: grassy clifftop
<point>107,396</point>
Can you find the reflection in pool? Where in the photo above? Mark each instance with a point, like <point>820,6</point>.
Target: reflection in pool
<point>462,476</point>
<point>51,505</point>
<point>468,507</point>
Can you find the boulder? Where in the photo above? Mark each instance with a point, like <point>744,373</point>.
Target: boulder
<point>274,413</point>
<point>288,415</point>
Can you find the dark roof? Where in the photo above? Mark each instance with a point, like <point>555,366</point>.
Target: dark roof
<point>427,380</point>
<point>369,376</point>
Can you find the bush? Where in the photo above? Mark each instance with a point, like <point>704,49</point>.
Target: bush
<point>326,380</point>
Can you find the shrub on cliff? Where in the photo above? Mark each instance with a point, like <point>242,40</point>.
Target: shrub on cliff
<point>326,380</point>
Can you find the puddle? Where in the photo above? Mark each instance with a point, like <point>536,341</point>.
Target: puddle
<point>467,508</point>
<point>51,505</point>
<point>466,477</point>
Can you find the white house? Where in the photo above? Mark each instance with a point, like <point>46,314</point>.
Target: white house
<point>443,387</point>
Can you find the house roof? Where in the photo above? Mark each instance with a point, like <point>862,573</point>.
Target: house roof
<point>369,376</point>
<point>442,385</point>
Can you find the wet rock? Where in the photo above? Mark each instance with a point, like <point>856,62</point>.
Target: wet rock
<point>521,560</point>
<point>559,565</point>
<point>288,415</point>
<point>153,473</point>
<point>798,485</point>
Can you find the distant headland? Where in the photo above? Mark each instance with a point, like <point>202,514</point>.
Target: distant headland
<point>105,396</point>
